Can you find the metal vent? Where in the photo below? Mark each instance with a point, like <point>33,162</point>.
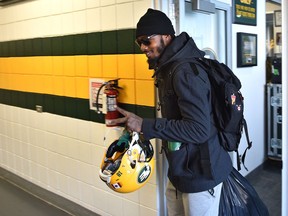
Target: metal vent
<point>204,6</point>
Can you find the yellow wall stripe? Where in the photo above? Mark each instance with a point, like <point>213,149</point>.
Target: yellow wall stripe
<point>69,75</point>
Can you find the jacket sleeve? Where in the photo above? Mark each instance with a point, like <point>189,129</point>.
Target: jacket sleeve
<point>193,98</point>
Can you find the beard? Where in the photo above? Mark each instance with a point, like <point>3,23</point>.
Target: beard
<point>153,61</point>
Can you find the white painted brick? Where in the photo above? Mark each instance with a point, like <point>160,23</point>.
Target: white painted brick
<point>56,6</point>
<point>79,22</point>
<point>74,188</point>
<point>83,130</point>
<point>67,24</point>
<point>87,173</point>
<point>117,205</point>
<point>123,1</point>
<point>92,3</point>
<point>107,2</point>
<point>147,211</point>
<point>56,25</point>
<point>93,17</point>
<point>108,18</point>
<point>79,5</point>
<point>130,208</point>
<point>140,8</point>
<point>67,6</point>
<point>124,10</point>
<point>145,196</point>
<point>87,193</point>
<point>64,184</point>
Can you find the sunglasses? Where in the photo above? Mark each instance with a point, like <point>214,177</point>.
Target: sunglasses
<point>144,40</point>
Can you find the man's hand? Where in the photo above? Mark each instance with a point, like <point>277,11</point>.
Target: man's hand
<point>133,122</point>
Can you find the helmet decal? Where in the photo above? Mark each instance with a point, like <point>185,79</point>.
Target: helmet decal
<point>233,99</point>
<point>119,173</point>
<point>144,174</point>
<point>116,186</point>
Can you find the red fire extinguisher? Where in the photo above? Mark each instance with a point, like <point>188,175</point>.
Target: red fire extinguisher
<point>109,100</point>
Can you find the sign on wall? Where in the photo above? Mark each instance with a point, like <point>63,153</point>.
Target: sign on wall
<point>244,12</point>
<point>95,96</point>
<point>246,49</point>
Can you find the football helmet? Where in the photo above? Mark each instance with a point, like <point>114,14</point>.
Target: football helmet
<point>127,164</point>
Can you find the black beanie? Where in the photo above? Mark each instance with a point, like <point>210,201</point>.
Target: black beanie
<point>154,22</point>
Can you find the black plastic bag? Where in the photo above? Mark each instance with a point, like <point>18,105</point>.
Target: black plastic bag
<point>239,198</point>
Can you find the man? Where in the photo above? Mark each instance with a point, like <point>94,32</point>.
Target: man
<point>197,163</point>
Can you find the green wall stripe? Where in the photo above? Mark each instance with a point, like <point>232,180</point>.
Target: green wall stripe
<point>97,43</point>
<point>65,106</point>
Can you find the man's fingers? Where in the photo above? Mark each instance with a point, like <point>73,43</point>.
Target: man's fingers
<point>116,121</point>
<point>122,111</point>
<point>119,120</point>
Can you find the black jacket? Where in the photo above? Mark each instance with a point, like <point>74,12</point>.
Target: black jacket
<point>186,108</point>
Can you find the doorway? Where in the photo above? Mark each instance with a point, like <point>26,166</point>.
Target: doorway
<point>273,101</point>
<point>214,39</point>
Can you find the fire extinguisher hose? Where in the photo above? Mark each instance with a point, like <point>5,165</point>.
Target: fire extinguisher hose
<point>97,97</point>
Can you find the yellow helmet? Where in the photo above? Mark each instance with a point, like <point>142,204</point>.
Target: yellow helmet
<point>127,164</point>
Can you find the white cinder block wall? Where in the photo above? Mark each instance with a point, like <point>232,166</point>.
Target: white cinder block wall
<point>58,153</point>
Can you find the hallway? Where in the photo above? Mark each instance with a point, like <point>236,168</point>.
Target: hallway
<point>266,179</point>
<point>14,201</point>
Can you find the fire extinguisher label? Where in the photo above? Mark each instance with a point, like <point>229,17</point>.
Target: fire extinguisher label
<point>111,103</point>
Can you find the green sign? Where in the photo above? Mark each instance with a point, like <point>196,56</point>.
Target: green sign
<point>244,12</point>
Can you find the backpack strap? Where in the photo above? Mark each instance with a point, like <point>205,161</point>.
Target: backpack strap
<point>249,143</point>
<point>191,61</point>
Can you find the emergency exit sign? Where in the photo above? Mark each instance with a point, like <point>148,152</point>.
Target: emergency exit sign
<point>244,12</point>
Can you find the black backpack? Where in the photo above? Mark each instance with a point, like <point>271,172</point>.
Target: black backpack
<point>227,103</point>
